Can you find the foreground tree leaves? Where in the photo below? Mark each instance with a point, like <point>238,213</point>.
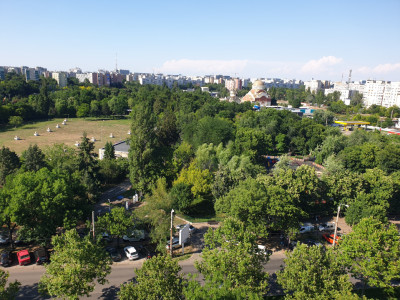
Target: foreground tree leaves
<point>157,279</point>
<point>75,266</point>
<point>313,273</point>
<point>11,291</point>
<point>231,255</point>
<point>372,253</point>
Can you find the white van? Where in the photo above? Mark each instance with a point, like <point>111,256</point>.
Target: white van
<point>306,227</point>
<point>327,226</point>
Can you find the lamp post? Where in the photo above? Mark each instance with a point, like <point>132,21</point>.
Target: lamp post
<point>170,240</point>
<point>337,220</point>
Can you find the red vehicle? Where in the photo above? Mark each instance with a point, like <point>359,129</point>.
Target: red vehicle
<point>23,257</point>
<point>329,238</point>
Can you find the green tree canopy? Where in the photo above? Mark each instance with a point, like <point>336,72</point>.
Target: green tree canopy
<point>372,253</point>
<point>231,254</point>
<point>313,273</point>
<point>34,159</point>
<point>9,163</point>
<point>157,279</point>
<point>75,266</point>
<point>10,292</point>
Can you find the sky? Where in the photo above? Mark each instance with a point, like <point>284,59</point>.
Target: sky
<point>249,39</point>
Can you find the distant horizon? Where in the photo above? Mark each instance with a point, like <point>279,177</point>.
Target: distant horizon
<point>256,39</point>
<point>345,76</point>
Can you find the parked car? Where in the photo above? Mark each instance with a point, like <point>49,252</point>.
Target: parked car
<point>106,237</point>
<point>306,227</point>
<point>5,259</point>
<point>175,243</point>
<point>134,236</point>
<point>23,257</point>
<point>263,250</point>
<point>329,237</point>
<point>192,229</point>
<point>326,226</point>
<point>313,243</point>
<point>41,256</point>
<point>4,240</point>
<point>114,254</point>
<point>131,253</point>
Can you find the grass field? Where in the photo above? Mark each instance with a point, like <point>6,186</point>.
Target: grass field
<point>68,134</point>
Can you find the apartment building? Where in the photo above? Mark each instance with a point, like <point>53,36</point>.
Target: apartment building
<point>61,78</point>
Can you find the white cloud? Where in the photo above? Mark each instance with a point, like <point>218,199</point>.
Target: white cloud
<point>381,69</point>
<point>198,67</point>
<point>320,65</point>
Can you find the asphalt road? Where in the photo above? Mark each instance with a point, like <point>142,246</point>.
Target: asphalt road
<point>121,272</point>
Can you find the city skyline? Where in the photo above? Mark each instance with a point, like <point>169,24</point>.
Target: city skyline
<point>300,40</point>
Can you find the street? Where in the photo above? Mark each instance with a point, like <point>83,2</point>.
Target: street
<point>122,272</point>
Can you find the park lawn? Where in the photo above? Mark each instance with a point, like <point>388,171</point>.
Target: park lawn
<point>68,134</point>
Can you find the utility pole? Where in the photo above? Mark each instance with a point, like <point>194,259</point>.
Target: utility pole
<point>337,220</point>
<point>170,240</point>
<point>94,236</point>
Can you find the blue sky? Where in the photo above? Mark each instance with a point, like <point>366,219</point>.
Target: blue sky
<point>286,39</point>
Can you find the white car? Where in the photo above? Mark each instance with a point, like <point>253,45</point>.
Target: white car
<point>131,253</point>
<point>192,229</point>
<point>306,227</point>
<point>327,226</point>
<point>175,243</point>
<point>134,236</point>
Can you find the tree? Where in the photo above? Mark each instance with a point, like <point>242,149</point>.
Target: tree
<point>88,166</point>
<point>109,152</point>
<point>231,254</point>
<point>116,223</point>
<point>313,273</point>
<point>75,264</point>
<point>181,196</point>
<point>15,121</point>
<point>9,163</point>
<point>11,291</point>
<point>323,117</point>
<point>372,253</point>
<point>157,279</point>
<point>143,159</point>
<point>34,158</point>
<point>42,201</point>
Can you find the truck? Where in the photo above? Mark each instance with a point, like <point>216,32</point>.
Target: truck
<point>23,257</point>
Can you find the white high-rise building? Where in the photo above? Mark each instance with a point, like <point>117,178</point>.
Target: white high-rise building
<point>379,92</point>
<point>61,78</point>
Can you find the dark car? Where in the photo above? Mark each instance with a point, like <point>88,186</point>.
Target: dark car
<point>5,259</point>
<point>41,256</point>
<point>114,254</point>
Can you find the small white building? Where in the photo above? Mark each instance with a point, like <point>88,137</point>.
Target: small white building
<point>121,149</point>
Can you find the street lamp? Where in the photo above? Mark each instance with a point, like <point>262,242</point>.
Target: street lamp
<point>170,240</point>
<point>337,220</point>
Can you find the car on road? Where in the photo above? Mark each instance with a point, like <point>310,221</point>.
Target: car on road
<point>41,256</point>
<point>326,226</point>
<point>262,249</point>
<point>114,254</point>
<point>134,236</point>
<point>23,257</point>
<point>175,243</point>
<point>5,259</point>
<point>131,253</point>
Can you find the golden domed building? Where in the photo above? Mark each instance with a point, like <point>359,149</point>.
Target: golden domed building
<point>257,94</point>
